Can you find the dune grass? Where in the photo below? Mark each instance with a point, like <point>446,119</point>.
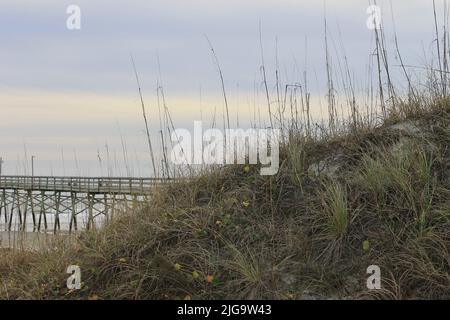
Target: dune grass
<point>368,189</point>
<point>302,234</point>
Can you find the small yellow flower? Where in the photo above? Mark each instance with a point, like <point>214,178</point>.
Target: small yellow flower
<point>245,203</point>
<point>366,245</point>
<point>195,275</point>
<point>247,169</point>
<point>177,266</point>
<point>209,279</point>
<point>122,260</point>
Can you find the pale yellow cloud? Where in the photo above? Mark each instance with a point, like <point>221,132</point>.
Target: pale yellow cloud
<point>34,107</point>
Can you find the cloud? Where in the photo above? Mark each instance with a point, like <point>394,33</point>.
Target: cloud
<point>60,83</point>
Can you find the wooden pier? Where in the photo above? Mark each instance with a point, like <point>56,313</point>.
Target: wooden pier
<point>52,204</point>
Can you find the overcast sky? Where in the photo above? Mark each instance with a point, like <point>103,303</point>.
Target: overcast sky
<point>64,94</point>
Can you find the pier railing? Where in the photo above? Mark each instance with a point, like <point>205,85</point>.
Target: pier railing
<point>80,184</point>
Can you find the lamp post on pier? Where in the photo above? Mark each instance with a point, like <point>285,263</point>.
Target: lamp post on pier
<point>32,170</point>
<point>32,165</point>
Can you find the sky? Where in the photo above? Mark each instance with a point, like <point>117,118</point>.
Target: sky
<point>70,98</point>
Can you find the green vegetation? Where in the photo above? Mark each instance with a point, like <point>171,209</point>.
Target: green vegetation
<point>368,188</point>
<point>372,196</point>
